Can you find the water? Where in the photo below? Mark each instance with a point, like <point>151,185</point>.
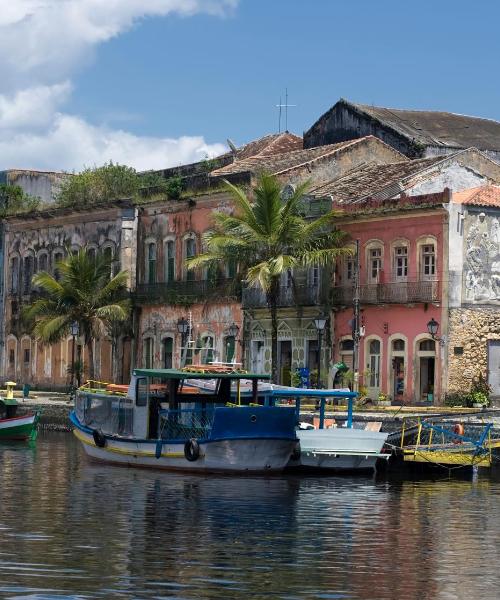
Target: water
<point>70,529</point>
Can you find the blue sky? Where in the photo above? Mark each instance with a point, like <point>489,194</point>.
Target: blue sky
<point>207,77</point>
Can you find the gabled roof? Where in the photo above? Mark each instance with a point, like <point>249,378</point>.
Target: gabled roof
<point>435,128</point>
<point>275,143</point>
<point>488,195</point>
<point>280,163</point>
<point>367,181</point>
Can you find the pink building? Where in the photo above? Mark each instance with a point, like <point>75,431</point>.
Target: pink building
<point>402,253</point>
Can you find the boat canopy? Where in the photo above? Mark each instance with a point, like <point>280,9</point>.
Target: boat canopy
<point>178,374</point>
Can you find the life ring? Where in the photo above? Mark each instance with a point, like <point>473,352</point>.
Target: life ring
<point>296,452</point>
<point>99,439</point>
<point>192,450</point>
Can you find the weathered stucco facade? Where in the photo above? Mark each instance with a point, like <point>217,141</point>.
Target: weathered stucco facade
<point>35,243</point>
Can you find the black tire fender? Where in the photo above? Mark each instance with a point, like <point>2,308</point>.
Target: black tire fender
<point>192,450</point>
<point>99,439</point>
<point>296,452</point>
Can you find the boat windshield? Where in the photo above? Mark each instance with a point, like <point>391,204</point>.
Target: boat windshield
<point>106,412</point>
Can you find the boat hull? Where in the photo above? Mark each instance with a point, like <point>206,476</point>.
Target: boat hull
<point>17,428</point>
<point>339,449</point>
<point>228,456</point>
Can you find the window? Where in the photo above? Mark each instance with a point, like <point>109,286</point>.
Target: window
<point>170,261</point>
<point>207,354</point>
<point>229,348</point>
<point>288,278</point>
<point>12,357</point>
<point>14,275</point>
<point>398,345</point>
<point>314,276</point>
<point>108,257</point>
<point>148,353</point>
<point>374,363</point>
<point>58,256</point>
<point>26,356</point>
<point>151,263</point>
<point>401,262</point>
<point>91,253</point>
<point>43,262</point>
<point>349,267</point>
<point>427,346</point>
<point>347,346</point>
<point>190,251</point>
<point>232,268</point>
<point>428,261</point>
<point>374,264</point>
<point>27,274</point>
<point>168,352</point>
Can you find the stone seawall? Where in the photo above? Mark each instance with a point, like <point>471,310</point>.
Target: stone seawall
<point>54,417</point>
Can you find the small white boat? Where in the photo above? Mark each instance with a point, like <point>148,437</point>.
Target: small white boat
<point>160,422</point>
<point>336,448</point>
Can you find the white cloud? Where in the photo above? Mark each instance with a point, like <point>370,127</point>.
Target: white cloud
<point>42,42</point>
<point>72,143</point>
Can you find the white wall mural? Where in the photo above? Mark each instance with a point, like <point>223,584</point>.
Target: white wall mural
<point>482,259</point>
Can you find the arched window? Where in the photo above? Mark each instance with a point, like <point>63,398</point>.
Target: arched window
<point>14,275</point>
<point>148,353</point>
<point>374,261</point>
<point>151,263</point>
<point>427,346</point>
<point>58,257</point>
<point>43,262</point>
<point>169,258</point>
<point>189,252</point>
<point>428,261</point>
<point>28,266</point>
<point>398,345</point>
<point>167,352</point>
<point>229,348</point>
<point>400,262</point>
<point>207,354</point>
<point>373,366</point>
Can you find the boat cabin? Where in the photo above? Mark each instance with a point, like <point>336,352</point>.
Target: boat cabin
<point>164,403</point>
<point>8,408</point>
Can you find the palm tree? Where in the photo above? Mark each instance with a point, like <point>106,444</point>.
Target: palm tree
<point>84,292</point>
<point>268,236</point>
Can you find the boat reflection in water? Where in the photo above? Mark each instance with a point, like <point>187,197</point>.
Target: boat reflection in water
<point>162,422</point>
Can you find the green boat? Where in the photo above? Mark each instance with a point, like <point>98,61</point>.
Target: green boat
<point>14,427</point>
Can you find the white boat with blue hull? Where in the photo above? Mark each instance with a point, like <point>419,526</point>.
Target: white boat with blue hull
<point>162,422</point>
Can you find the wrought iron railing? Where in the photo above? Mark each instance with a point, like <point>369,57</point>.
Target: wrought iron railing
<point>298,295</point>
<point>183,292</point>
<point>185,423</point>
<point>395,292</point>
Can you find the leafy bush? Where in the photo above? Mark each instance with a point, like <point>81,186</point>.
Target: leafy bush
<point>479,384</point>
<point>14,201</point>
<point>456,399</point>
<point>99,185</point>
<point>174,187</point>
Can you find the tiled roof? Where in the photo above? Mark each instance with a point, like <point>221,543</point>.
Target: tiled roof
<point>488,195</point>
<point>275,143</point>
<point>278,163</point>
<point>434,128</point>
<point>370,180</point>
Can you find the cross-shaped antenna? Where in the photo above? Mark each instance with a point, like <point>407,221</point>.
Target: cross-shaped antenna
<point>285,106</point>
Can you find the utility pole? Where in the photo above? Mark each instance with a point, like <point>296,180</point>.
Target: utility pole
<point>355,325</point>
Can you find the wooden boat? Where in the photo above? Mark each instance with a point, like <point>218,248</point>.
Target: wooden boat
<point>14,427</point>
<point>160,423</point>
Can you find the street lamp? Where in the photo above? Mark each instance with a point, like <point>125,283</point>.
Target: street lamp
<point>319,323</point>
<point>433,328</point>
<point>233,330</point>
<point>74,330</point>
<point>183,328</point>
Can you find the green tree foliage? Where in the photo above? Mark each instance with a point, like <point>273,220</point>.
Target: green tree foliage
<point>267,236</point>
<point>99,185</point>
<point>84,292</point>
<point>13,200</point>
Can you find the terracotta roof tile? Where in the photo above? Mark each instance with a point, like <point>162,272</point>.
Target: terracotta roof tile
<point>488,195</point>
<point>275,143</point>
<point>368,181</point>
<point>277,163</point>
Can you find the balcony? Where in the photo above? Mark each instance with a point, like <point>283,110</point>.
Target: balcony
<point>396,292</point>
<point>299,295</point>
<point>187,292</point>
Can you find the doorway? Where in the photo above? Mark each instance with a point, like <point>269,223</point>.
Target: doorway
<point>257,356</point>
<point>373,366</point>
<point>285,361</point>
<point>494,366</point>
<point>427,370</point>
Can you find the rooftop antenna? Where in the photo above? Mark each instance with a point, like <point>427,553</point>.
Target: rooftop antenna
<point>285,106</point>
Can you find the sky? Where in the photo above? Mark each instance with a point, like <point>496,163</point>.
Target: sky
<point>157,83</point>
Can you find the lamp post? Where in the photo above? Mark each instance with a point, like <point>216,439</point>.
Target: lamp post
<point>74,329</point>
<point>319,323</point>
<point>183,328</point>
